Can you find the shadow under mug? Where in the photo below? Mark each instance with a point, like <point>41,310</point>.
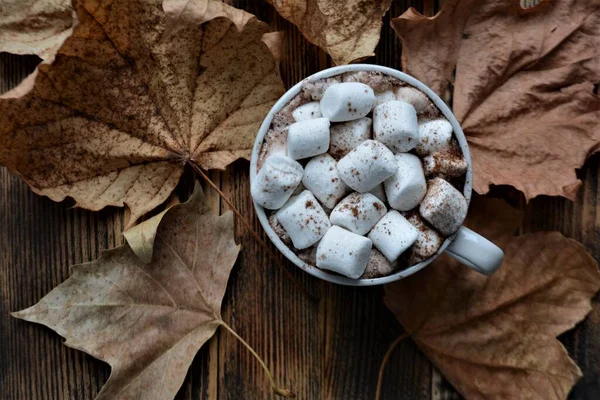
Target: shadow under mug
<point>468,247</point>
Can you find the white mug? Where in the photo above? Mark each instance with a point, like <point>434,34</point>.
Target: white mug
<point>468,247</point>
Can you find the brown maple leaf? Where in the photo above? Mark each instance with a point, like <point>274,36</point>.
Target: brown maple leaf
<point>129,100</point>
<point>148,320</point>
<point>35,26</point>
<point>347,30</point>
<point>523,85</point>
<point>496,337</point>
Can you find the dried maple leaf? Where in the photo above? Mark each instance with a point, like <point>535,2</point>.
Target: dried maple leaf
<point>148,320</point>
<point>523,85</point>
<point>347,30</point>
<point>129,101</point>
<point>35,26</point>
<point>496,337</point>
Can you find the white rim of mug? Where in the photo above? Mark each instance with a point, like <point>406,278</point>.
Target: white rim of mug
<point>289,95</point>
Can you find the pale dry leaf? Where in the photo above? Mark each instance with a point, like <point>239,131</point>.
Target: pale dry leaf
<point>35,26</point>
<point>496,337</point>
<point>147,320</point>
<point>114,119</point>
<point>523,85</point>
<point>347,30</point>
<point>182,12</point>
<point>141,237</point>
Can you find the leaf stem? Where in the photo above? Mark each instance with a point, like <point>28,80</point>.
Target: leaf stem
<point>384,362</point>
<point>276,389</point>
<point>252,232</point>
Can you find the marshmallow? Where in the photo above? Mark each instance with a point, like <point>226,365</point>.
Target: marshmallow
<point>276,181</point>
<point>303,219</point>
<point>428,242</point>
<point>308,138</point>
<point>365,167</point>
<point>279,231</point>
<point>444,207</point>
<point>448,164</point>
<point>406,188</point>
<point>384,97</point>
<point>344,252</point>
<point>434,135</point>
<point>347,135</point>
<point>395,125</point>
<point>347,101</point>
<point>321,177</point>
<point>306,111</point>
<point>378,266</point>
<point>379,192</point>
<point>393,234</point>
<point>358,212</point>
<point>414,97</point>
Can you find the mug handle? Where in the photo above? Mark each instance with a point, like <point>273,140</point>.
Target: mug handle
<point>475,251</point>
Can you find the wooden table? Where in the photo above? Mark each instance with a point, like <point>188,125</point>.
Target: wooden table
<point>326,350</point>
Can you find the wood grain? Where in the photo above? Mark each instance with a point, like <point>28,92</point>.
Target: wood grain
<point>326,350</point>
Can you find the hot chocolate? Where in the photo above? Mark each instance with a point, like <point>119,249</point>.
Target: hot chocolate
<point>361,175</point>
